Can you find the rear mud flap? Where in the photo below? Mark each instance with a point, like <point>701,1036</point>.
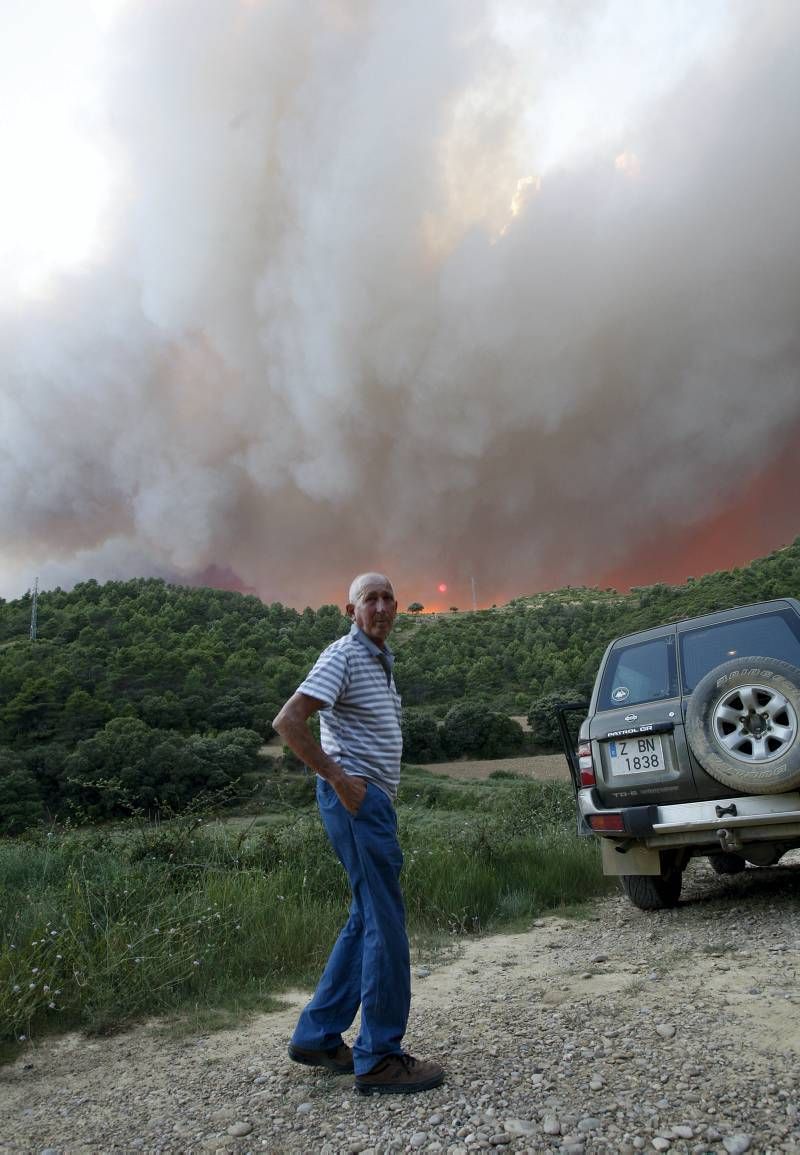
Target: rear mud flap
<point>634,860</point>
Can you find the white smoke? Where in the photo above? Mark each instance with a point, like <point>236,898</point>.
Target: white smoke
<point>459,290</point>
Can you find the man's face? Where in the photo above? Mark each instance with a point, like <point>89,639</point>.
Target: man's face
<point>374,609</point>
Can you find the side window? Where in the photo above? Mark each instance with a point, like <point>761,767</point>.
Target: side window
<point>640,673</point>
<point>763,635</point>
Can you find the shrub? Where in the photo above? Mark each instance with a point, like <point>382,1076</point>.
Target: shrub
<point>473,728</point>
<point>543,719</point>
<point>20,800</point>
<point>128,764</point>
<point>421,741</point>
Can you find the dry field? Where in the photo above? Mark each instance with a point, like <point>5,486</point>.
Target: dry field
<point>544,767</point>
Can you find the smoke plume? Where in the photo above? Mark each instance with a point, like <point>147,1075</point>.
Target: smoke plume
<point>380,290</point>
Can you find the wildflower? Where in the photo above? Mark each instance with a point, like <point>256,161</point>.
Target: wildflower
<point>52,1006</point>
<point>45,988</point>
<point>16,987</point>
<point>34,970</point>
<point>54,933</point>
<point>23,1038</point>
<point>31,986</point>
<point>59,956</point>
<point>196,962</point>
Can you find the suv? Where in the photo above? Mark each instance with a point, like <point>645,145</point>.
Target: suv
<point>692,747</point>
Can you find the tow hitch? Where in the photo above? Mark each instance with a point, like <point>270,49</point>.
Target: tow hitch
<point>729,840</point>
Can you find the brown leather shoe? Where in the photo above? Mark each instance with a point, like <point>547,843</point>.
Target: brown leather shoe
<point>337,1059</point>
<point>400,1075</point>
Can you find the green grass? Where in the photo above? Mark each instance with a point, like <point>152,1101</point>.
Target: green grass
<point>208,919</point>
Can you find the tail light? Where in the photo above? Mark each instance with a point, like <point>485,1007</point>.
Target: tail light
<point>613,822</point>
<point>585,764</point>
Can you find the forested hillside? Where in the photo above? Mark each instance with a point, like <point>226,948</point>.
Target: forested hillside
<point>554,641</point>
<point>145,690</point>
<point>142,692</point>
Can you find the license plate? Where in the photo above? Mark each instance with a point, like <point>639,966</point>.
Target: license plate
<point>640,755</point>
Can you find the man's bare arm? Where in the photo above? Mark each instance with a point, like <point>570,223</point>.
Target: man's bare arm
<point>292,725</point>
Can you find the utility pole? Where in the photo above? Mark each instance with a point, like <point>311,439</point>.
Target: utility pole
<point>33,609</point>
<point>474,595</point>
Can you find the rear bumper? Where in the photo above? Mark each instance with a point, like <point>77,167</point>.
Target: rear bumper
<point>722,824</point>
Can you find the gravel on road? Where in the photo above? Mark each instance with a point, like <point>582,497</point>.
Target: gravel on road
<point>617,1031</point>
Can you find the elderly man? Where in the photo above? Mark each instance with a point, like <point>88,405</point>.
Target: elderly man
<point>358,769</point>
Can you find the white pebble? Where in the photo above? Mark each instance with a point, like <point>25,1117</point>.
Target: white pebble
<point>239,1129</point>
<point>588,1123</point>
<point>521,1127</point>
<point>737,1144</point>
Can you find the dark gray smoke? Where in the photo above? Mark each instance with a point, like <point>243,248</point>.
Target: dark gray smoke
<point>323,340</point>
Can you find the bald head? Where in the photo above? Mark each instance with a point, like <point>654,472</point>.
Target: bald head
<point>360,583</point>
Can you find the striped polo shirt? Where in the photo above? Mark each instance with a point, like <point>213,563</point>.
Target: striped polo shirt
<point>360,721</point>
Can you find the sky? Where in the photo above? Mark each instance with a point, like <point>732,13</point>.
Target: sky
<point>496,295</point>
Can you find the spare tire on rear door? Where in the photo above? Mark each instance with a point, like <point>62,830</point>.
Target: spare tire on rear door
<point>743,725</point>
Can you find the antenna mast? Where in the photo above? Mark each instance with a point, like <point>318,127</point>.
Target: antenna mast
<point>34,608</point>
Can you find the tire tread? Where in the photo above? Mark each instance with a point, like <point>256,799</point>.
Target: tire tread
<point>653,891</point>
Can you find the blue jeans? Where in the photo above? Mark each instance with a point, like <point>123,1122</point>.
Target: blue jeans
<point>369,964</point>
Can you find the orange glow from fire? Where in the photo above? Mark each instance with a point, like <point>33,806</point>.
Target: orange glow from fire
<point>760,521</point>
<point>757,521</point>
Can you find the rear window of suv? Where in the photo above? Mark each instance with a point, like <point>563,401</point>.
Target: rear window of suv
<point>643,672</point>
<point>764,635</point>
